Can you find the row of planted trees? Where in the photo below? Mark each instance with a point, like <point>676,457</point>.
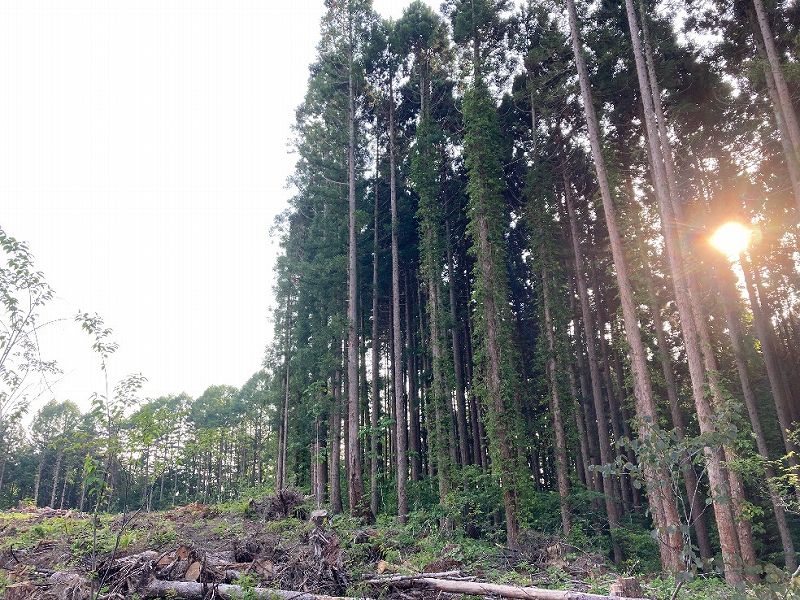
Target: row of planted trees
<point>125,451</point>
<point>157,454</point>
<point>497,271</point>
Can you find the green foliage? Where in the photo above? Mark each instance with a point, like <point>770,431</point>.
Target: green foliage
<point>476,499</point>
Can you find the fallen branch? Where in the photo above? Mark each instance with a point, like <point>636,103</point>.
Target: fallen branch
<point>476,588</point>
<point>186,590</point>
<point>379,579</point>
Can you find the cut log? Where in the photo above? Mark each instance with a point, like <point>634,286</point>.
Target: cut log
<point>318,517</point>
<point>193,572</point>
<point>477,588</point>
<point>626,587</point>
<point>391,579</point>
<point>19,591</point>
<point>185,590</point>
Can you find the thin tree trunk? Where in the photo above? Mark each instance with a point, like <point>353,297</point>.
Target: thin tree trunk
<point>785,99</point>
<point>582,463</point>
<point>56,473</point>
<point>334,463</point>
<point>696,517</point>
<point>555,409</point>
<point>762,328</point>
<point>64,488</point>
<point>397,333</point>
<point>355,488</point>
<point>458,369</point>
<point>476,425</point>
<point>439,397</point>
<point>735,334</point>
<point>284,427</point>
<point>612,510</point>
<point>413,391</point>
<point>376,346</point>
<point>790,156</point>
<point>2,471</point>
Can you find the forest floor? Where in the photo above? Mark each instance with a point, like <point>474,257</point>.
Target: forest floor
<point>53,554</point>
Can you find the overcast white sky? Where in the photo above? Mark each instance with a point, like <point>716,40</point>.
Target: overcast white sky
<point>143,156</point>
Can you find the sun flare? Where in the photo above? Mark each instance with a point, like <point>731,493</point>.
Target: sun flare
<point>731,238</point>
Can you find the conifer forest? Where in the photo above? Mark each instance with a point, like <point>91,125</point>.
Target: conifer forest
<point>538,294</point>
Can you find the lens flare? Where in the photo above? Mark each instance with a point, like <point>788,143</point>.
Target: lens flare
<point>731,239</point>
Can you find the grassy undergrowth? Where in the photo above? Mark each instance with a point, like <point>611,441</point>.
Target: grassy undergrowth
<point>67,542</point>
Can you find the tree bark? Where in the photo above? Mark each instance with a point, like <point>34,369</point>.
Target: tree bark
<point>3,462</point>
<point>284,426</point>
<point>717,473</point>
<point>376,346</point>
<point>735,334</point>
<point>494,384</point>
<point>481,589</point>
<point>612,510</point>
<point>56,473</point>
<point>690,481</point>
<point>583,464</point>
<point>784,98</point>
<point>38,480</point>
<point>397,333</point>
<point>190,590</point>
<point>555,409</point>
<point>770,360</point>
<point>790,155</point>
<point>334,462</point>
<point>458,369</point>
<point>414,444</point>
<point>355,488</point>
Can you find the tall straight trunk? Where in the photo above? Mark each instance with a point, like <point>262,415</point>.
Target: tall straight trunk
<point>3,462</point>
<point>56,474</point>
<point>476,424</point>
<point>414,448</point>
<point>588,409</point>
<point>624,393</point>
<point>390,401</point>
<point>661,498</point>
<point>317,466</point>
<point>555,409</point>
<point>690,482</point>
<point>355,488</point>
<point>458,369</point>
<point>335,453</point>
<point>283,432</point>
<point>439,396</point>
<point>64,488</point>
<point>666,190</point>
<point>762,328</point>
<point>774,343</point>
<point>376,348</point>
<point>615,414</point>
<point>697,359</point>
<point>491,287</point>
<point>773,58</point>
<point>735,334</point>
<point>364,391</point>
<point>606,457</point>
<point>397,333</point>
<point>82,499</point>
<point>614,400</point>
<point>583,463</point>
<point>790,155</point>
<point>494,383</point>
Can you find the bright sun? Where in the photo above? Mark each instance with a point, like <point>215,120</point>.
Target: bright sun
<point>731,239</point>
